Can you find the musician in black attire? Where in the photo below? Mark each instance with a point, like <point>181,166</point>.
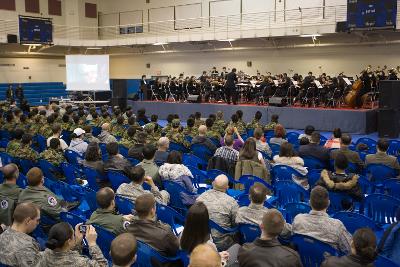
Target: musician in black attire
<point>367,81</point>
<point>230,87</point>
<point>10,94</point>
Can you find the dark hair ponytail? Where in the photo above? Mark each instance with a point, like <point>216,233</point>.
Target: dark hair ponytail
<point>364,241</point>
<point>58,235</point>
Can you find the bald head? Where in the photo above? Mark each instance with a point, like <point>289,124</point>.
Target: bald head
<point>10,172</point>
<point>272,224</point>
<point>221,183</point>
<point>105,126</point>
<point>202,129</point>
<point>204,256</point>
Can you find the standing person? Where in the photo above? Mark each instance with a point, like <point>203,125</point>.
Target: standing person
<point>230,87</point>
<point>19,93</point>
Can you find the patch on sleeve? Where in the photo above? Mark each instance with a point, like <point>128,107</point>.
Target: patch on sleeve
<point>4,204</point>
<point>52,201</point>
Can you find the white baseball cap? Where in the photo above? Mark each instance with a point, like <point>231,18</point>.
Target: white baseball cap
<point>79,131</point>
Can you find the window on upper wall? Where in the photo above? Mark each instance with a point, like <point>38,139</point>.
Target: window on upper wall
<point>55,7</point>
<point>90,10</point>
<point>32,6</point>
<point>7,4</point>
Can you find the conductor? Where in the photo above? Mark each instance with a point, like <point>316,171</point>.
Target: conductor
<point>230,87</point>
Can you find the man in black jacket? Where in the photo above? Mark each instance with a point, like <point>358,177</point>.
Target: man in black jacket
<point>230,87</point>
<point>266,250</point>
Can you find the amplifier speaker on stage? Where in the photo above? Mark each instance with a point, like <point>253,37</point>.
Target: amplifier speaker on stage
<point>389,94</point>
<point>194,99</point>
<point>277,101</point>
<point>388,123</point>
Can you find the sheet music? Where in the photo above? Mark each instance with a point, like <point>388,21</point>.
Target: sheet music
<point>347,81</point>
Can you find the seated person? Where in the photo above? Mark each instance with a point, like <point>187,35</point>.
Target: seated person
<point>17,247</point>
<point>115,160</point>
<point>134,189</point>
<point>351,156</point>
<point>307,132</point>
<point>77,144</point>
<point>123,250</point>
<point>314,149</point>
<point>319,225</point>
<point>334,142</point>
<point>162,150</point>
<point>104,215</point>
<point>9,193</point>
<point>54,153</point>
<point>105,136</point>
<point>150,231</point>
<point>61,245</point>
<point>279,135</point>
<point>201,139</point>
<point>38,194</point>
<point>381,156</point>
<point>261,145</point>
<point>56,129</point>
<point>25,151</point>
<point>267,250</point>
<point>136,151</point>
<point>363,251</point>
<point>148,165</point>
<point>340,181</point>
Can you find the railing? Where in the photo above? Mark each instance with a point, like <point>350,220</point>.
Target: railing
<point>214,27</point>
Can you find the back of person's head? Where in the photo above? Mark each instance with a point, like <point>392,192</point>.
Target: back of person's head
<point>104,197</point>
<point>144,204</point>
<point>239,113</point>
<point>272,223</point>
<point>341,161</point>
<point>123,249</point>
<point>204,255</point>
<point>234,118</point>
<point>202,130</point>
<point>228,140</point>
<point>274,118</point>
<point>258,115</point>
<point>174,157</point>
<point>315,137</point>
<point>279,131</point>
<point>304,141</point>
<point>112,148</point>
<point>59,234</point>
<point>54,143</point>
<point>18,133</point>
<point>337,133</point>
<point>382,144</point>
<point>196,230</point>
<point>190,122</point>
<point>135,174</point>
<point>24,211</point>
<point>319,198</point>
<point>34,176</point>
<point>249,150</point>
<point>258,133</point>
<point>163,142</point>
<point>148,151</point>
<point>26,139</point>
<point>258,193</point>
<point>209,123</point>
<point>10,172</point>
<point>309,129</point>
<point>364,242</point>
<point>345,139</point>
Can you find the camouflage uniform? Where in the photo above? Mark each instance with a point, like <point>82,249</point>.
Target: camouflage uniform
<point>72,258</point>
<point>132,191</point>
<point>255,124</point>
<point>190,131</point>
<point>55,157</point>
<point>270,126</point>
<point>222,210</point>
<point>13,148</point>
<point>47,201</point>
<point>26,152</point>
<point>9,194</point>
<point>109,221</point>
<point>18,249</point>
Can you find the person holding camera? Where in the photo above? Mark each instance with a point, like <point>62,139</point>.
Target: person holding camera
<point>63,240</point>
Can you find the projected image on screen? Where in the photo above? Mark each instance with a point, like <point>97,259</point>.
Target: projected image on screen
<point>88,73</point>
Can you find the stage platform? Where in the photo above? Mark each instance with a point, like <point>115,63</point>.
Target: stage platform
<point>360,121</point>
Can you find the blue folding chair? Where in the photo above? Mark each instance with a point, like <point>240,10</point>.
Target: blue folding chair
<point>170,216</point>
<point>313,163</point>
<point>312,250</point>
<point>382,261</point>
<point>26,165</point>
<point>371,143</point>
<point>392,187</point>
<point>249,180</point>
<point>354,221</point>
<point>285,173</point>
<point>339,202</point>
<point>244,200</point>
<point>72,157</point>
<point>117,178</point>
<point>381,208</point>
<point>193,160</point>
<point>175,190</point>
<point>92,176</point>
<point>72,218</point>
<point>292,209</point>
<point>178,147</point>
<point>49,170</point>
<point>249,232</point>
<point>275,149</point>
<point>380,172</point>
<point>123,150</point>
<point>290,192</point>
<point>124,205</point>
<point>42,142</point>
<point>146,256</point>
<point>201,151</point>
<point>104,239</point>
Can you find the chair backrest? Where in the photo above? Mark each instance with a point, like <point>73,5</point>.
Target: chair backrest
<point>124,205</point>
<point>104,239</point>
<point>380,172</point>
<point>146,253</point>
<point>72,157</point>
<point>48,169</point>
<point>193,160</point>
<point>71,218</point>
<point>392,187</point>
<point>117,178</point>
<point>284,173</point>
<point>249,180</point>
<point>91,176</point>
<point>201,151</point>
<point>354,221</point>
<point>381,208</point>
<point>312,250</point>
<point>177,147</point>
<point>249,232</point>
<point>313,163</point>
<point>339,202</point>
<point>292,209</point>
<point>382,261</point>
<point>290,192</point>
<point>170,216</point>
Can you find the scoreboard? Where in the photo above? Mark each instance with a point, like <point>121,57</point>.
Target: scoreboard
<point>371,14</point>
<point>34,30</point>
